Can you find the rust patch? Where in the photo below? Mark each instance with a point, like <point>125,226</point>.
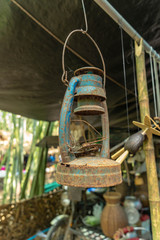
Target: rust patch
<point>89,172</point>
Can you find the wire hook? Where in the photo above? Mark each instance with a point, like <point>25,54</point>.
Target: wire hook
<point>64,75</point>
<point>85,18</point>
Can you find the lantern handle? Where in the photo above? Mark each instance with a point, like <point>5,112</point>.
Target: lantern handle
<point>64,75</point>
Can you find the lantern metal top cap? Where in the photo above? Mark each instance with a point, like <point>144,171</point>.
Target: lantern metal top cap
<point>85,70</point>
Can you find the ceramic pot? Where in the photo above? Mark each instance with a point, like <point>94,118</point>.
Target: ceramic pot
<point>133,215</point>
<point>143,196</point>
<point>113,215</point>
<point>132,201</point>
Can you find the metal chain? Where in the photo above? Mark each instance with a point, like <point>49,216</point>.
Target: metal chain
<point>125,80</point>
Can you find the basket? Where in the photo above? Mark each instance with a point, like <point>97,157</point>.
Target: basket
<point>21,220</point>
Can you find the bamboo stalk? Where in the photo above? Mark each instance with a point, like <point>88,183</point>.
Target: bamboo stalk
<point>42,172</point>
<point>14,157</point>
<point>15,160</point>
<point>36,174</point>
<point>39,175</point>
<point>16,176</point>
<point>20,146</point>
<point>4,159</point>
<point>13,176</point>
<point>153,188</point>
<point>28,167</point>
<point>49,130</point>
<point>8,168</point>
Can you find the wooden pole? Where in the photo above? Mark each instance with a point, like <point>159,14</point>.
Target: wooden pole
<point>153,188</point>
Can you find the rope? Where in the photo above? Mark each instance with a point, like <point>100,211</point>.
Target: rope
<point>153,85</point>
<point>125,80</point>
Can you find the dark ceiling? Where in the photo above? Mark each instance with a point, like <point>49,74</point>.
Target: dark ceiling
<point>30,58</point>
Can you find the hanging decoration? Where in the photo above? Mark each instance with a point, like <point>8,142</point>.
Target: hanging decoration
<point>88,171</point>
<point>135,141</point>
<point>87,88</point>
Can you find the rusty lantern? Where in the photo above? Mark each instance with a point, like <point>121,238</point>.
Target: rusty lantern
<point>86,88</point>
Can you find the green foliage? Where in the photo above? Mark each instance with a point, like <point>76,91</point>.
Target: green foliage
<point>18,184</point>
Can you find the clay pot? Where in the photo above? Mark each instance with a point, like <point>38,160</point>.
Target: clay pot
<point>113,215</point>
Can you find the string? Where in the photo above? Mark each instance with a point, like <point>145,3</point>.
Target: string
<point>153,84</point>
<point>135,82</point>
<point>125,80</point>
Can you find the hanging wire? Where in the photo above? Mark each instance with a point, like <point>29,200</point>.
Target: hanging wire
<point>135,82</point>
<point>85,17</point>
<point>159,81</point>
<point>125,80</point>
<point>157,86</point>
<point>61,42</point>
<point>64,74</point>
<point>153,85</point>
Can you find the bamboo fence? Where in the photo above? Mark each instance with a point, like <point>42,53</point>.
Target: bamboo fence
<point>21,220</point>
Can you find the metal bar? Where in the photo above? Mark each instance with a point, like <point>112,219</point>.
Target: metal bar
<point>153,188</point>
<point>113,13</point>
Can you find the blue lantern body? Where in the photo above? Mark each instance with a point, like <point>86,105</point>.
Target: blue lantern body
<point>86,88</point>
